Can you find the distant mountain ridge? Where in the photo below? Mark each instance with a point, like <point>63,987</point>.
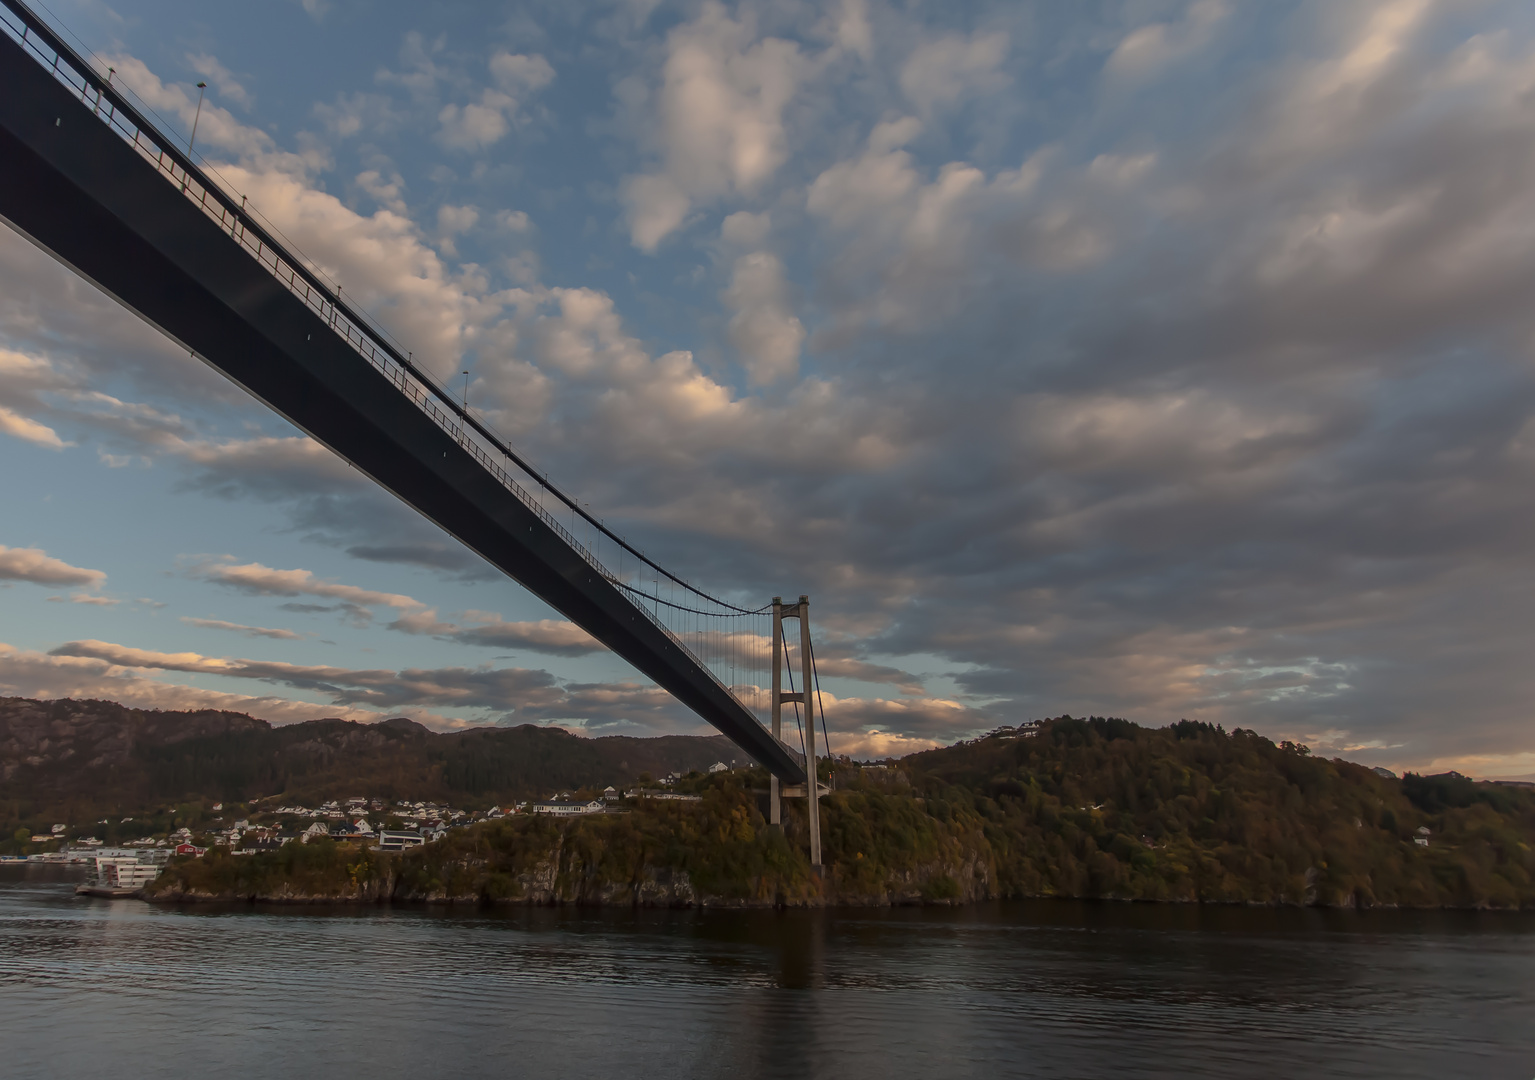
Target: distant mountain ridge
<point>64,751</point>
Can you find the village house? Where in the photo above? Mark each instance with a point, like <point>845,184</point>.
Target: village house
<point>398,840</point>
<point>567,809</point>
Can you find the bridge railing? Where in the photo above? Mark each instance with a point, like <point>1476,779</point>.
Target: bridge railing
<point>238,221</point>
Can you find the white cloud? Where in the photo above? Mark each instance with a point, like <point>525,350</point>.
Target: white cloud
<point>853,31</point>
<point>380,260</point>
<point>943,73</point>
<point>388,192</point>
<point>516,221</point>
<point>238,628</point>
<point>83,598</point>
<point>657,205</point>
<point>878,745</point>
<point>515,72</point>
<point>20,427</point>
<point>478,124</point>
<point>259,580</point>
<point>744,229</point>
<point>927,718</point>
<point>38,675</point>
<point>224,82</point>
<point>217,128</point>
<point>37,566</point>
<point>551,636</point>
<point>720,121</point>
<point>1150,49</point>
<point>764,327</point>
<point>1328,102</point>
<point>845,667</point>
<point>452,220</point>
<point>531,694</point>
<point>481,123</point>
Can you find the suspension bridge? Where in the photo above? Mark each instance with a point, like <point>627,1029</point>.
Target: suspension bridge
<point>88,176</point>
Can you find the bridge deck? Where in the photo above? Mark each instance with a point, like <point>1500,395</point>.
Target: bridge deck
<point>78,190</point>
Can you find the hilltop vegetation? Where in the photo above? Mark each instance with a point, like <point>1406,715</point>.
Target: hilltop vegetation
<point>1103,807</point>
<point>1086,808</point>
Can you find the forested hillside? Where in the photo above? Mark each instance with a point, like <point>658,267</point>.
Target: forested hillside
<point>1104,807</point>
<point>1083,808</point>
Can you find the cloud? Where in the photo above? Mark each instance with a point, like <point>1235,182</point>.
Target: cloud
<point>217,128</point>
<point>258,580</point>
<point>39,675</point>
<point>248,631</point>
<point>720,124</point>
<point>1152,48</point>
<point>940,719</point>
<point>516,72</point>
<point>437,556</point>
<point>844,667</point>
<point>553,637</point>
<point>945,72</point>
<point>493,692</point>
<point>764,327</point>
<point>38,567</point>
<point>878,745</point>
<point>469,688</point>
<point>478,124</point>
<point>223,80</point>
<point>84,598</point>
<point>853,31</point>
<point>31,431</point>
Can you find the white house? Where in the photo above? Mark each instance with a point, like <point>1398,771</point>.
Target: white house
<point>568,809</point>
<point>398,840</point>
<point>719,766</point>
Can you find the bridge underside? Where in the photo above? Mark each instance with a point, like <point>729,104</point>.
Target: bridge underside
<point>79,192</point>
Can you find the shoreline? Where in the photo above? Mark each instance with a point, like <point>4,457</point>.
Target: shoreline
<point>195,898</point>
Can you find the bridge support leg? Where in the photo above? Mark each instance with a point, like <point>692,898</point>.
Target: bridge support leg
<point>811,790</point>
<point>775,803</point>
<point>812,780</point>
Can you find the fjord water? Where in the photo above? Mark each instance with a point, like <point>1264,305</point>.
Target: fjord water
<point>1043,989</point>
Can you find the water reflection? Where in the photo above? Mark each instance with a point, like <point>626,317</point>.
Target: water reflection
<point>1032,989</point>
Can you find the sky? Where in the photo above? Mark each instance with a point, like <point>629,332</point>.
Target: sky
<point>1153,359</point>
